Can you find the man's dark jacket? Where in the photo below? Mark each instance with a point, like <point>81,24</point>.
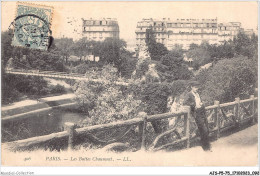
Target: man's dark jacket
<point>189,100</point>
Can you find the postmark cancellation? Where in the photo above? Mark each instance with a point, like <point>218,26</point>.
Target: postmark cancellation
<point>32,26</point>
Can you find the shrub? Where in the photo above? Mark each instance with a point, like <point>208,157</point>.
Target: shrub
<point>57,89</point>
<point>105,102</point>
<point>228,79</point>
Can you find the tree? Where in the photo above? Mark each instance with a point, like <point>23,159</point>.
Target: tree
<point>172,66</point>
<point>111,52</point>
<point>30,58</point>
<point>200,56</point>
<point>6,48</point>
<point>64,45</point>
<point>104,103</point>
<point>79,48</point>
<point>228,79</point>
<point>245,45</point>
<point>156,50</point>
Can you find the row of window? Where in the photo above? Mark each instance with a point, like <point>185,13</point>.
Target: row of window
<point>98,22</point>
<point>201,25</point>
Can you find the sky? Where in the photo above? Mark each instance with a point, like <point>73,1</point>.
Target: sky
<point>67,16</point>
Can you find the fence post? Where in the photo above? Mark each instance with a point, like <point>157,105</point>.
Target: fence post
<point>252,97</point>
<point>238,112</point>
<point>70,127</point>
<point>142,128</point>
<point>217,118</point>
<point>256,92</point>
<point>187,125</point>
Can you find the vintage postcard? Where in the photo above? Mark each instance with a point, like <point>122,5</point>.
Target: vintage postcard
<point>130,84</point>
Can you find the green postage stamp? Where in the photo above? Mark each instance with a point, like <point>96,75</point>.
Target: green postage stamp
<point>32,26</point>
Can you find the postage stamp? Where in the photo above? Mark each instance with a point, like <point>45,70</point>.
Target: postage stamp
<point>32,26</point>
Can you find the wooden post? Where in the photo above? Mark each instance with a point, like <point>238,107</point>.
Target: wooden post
<point>187,125</point>
<point>142,128</point>
<point>217,118</point>
<point>238,111</point>
<point>252,97</point>
<point>70,127</point>
<point>256,92</point>
<point>144,133</point>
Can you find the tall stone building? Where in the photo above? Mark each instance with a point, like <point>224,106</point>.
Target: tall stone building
<point>186,31</point>
<point>100,29</point>
<point>227,31</point>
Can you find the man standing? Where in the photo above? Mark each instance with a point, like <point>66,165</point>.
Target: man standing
<point>198,111</point>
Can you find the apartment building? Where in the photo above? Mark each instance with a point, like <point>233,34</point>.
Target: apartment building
<point>100,29</point>
<point>186,31</point>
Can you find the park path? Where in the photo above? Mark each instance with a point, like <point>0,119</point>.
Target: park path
<point>237,149</point>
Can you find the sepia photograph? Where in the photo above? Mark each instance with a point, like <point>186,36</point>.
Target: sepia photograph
<point>130,83</point>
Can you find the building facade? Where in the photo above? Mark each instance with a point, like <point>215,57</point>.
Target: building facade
<point>100,29</point>
<point>227,31</point>
<point>186,31</point>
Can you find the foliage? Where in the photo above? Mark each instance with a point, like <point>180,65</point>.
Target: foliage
<point>128,67</point>
<point>228,79</point>
<point>13,87</point>
<point>28,58</point>
<point>57,89</point>
<point>154,95</point>
<point>64,45</point>
<point>241,45</point>
<point>156,50</point>
<point>105,102</point>
<point>110,51</point>
<point>172,67</point>
<point>245,45</point>
<point>9,93</point>
<point>142,68</point>
<point>200,56</point>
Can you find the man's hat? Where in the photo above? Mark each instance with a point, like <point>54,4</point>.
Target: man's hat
<point>194,83</point>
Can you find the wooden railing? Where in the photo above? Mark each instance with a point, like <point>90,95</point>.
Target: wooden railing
<point>220,116</point>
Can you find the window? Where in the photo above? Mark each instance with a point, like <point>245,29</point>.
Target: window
<point>100,22</point>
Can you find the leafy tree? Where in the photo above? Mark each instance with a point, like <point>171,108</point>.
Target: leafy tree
<point>110,52</point>
<point>156,50</point>
<point>245,45</point>
<point>228,79</point>
<point>104,102</point>
<point>172,67</point>
<point>64,45</point>
<point>30,58</point>
<point>193,46</point>
<point>79,48</point>
<point>200,56</point>
<point>6,48</point>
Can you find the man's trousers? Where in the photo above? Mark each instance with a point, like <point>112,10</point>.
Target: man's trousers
<point>202,123</point>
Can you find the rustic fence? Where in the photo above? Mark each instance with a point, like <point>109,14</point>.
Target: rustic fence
<point>221,117</point>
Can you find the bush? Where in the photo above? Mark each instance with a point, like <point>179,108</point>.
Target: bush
<point>58,89</point>
<point>228,79</point>
<point>172,67</point>
<point>128,67</point>
<point>105,102</point>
